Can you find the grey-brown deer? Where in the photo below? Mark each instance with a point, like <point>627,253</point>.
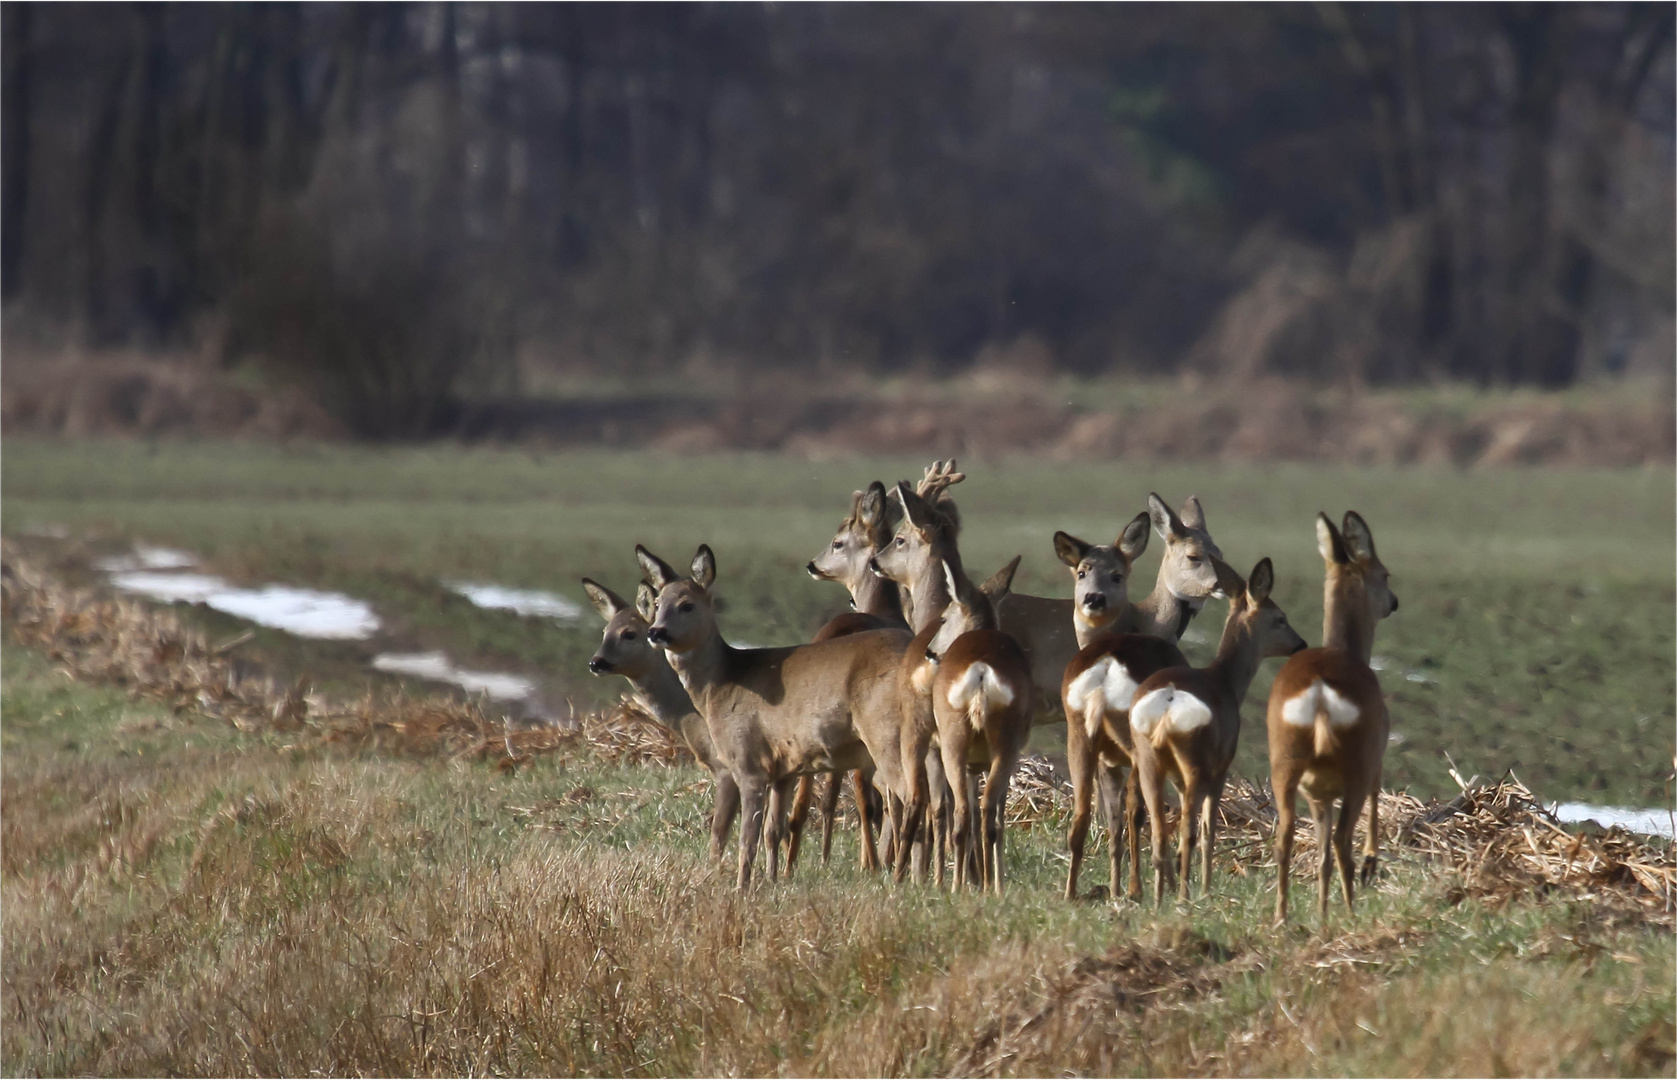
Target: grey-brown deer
<point>1120,645</point>
<point>1327,718</point>
<point>626,650</point>
<point>777,714</point>
<point>1186,721</point>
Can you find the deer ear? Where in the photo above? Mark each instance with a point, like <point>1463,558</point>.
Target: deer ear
<point>1193,514</point>
<point>914,507</point>
<point>870,510</point>
<point>1261,582</point>
<point>1163,517</point>
<point>1230,585</point>
<point>1359,542</point>
<point>646,602</point>
<point>1000,583</point>
<point>949,580</point>
<point>1070,549</point>
<point>657,571</point>
<point>704,566</point>
<point>1328,541</point>
<point>1133,540</point>
<point>606,602</point>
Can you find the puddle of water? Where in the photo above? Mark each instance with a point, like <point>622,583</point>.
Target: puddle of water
<point>1652,821</point>
<point>304,612</point>
<point>522,601</point>
<point>435,666</point>
<point>146,558</point>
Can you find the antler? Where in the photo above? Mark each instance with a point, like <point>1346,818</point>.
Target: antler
<point>940,475</point>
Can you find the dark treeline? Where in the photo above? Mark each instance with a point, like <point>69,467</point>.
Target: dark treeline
<point>385,192</point>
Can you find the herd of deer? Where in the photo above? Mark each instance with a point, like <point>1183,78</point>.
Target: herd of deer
<point>933,679</point>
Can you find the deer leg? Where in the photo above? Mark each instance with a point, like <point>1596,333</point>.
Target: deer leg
<point>1208,835</point>
<point>1113,809</point>
<point>1151,794</point>
<point>1321,812</point>
<point>955,766</point>
<point>829,810</point>
<point>1080,762</point>
<point>800,814</point>
<point>866,816</point>
<point>975,871</point>
<point>1349,811</point>
<point>752,795</point>
<point>1134,817</point>
<point>723,812</point>
<point>1282,787</point>
<point>1371,842</point>
<point>1187,830</point>
<point>914,813</point>
<point>774,823</point>
<point>994,815</point>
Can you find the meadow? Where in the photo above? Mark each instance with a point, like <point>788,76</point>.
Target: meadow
<point>184,898</point>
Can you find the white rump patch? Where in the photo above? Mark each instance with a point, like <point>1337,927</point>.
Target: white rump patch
<point>1179,710</point>
<point>980,682</point>
<point>1105,685</point>
<point>1301,710</point>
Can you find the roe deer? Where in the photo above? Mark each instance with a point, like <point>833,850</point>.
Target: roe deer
<point>1050,630</point>
<point>1121,644</point>
<point>981,699</point>
<point>1327,720</point>
<point>777,714</point>
<point>625,650</point>
<point>1186,721</point>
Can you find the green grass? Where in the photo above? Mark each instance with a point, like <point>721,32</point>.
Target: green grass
<point>183,899</point>
<point>1537,606</point>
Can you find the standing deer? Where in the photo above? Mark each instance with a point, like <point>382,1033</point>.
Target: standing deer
<point>777,714</point>
<point>1327,720</point>
<point>1121,644</point>
<point>626,650</point>
<point>1186,721</point>
<point>981,699</point>
<point>1046,629</point>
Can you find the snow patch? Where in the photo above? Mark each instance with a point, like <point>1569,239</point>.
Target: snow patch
<point>499,686</point>
<point>1652,821</point>
<point>304,612</point>
<point>522,601</point>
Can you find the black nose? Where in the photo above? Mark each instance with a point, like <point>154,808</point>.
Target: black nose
<point>1094,601</point>
<point>809,568</point>
<point>658,635</point>
<point>598,665</point>
<point>1301,646</point>
<point>873,565</point>
<point>932,656</point>
<point>1394,603</point>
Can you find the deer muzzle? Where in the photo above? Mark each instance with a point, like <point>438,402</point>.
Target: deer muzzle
<point>599,665</point>
<point>658,636</point>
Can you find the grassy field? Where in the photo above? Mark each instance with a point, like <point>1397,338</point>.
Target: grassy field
<point>1536,631</point>
<point>183,898</point>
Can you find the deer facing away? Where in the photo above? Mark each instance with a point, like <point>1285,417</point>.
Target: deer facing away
<point>1327,718</point>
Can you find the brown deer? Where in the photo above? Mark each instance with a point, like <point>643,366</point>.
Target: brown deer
<point>777,714</point>
<point>1327,720</point>
<point>1046,629</point>
<point>1121,644</point>
<point>1186,721</point>
<point>981,699</point>
<point>626,650</point>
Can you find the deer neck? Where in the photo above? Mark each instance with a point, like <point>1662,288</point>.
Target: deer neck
<point>874,595</point>
<point>928,597</point>
<point>702,669</point>
<point>1346,625</point>
<point>1237,659</point>
<point>1087,631</point>
<point>1161,613</point>
<point>662,687</point>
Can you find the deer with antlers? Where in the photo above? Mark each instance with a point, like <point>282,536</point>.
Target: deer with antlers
<point>1327,719</point>
<point>626,650</point>
<point>1186,721</point>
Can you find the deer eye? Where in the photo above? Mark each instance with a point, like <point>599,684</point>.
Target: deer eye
<point>685,605</point>
<point>901,542</point>
<point>1193,560</point>
<point>1081,574</point>
<point>837,544</point>
<point>628,635</point>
